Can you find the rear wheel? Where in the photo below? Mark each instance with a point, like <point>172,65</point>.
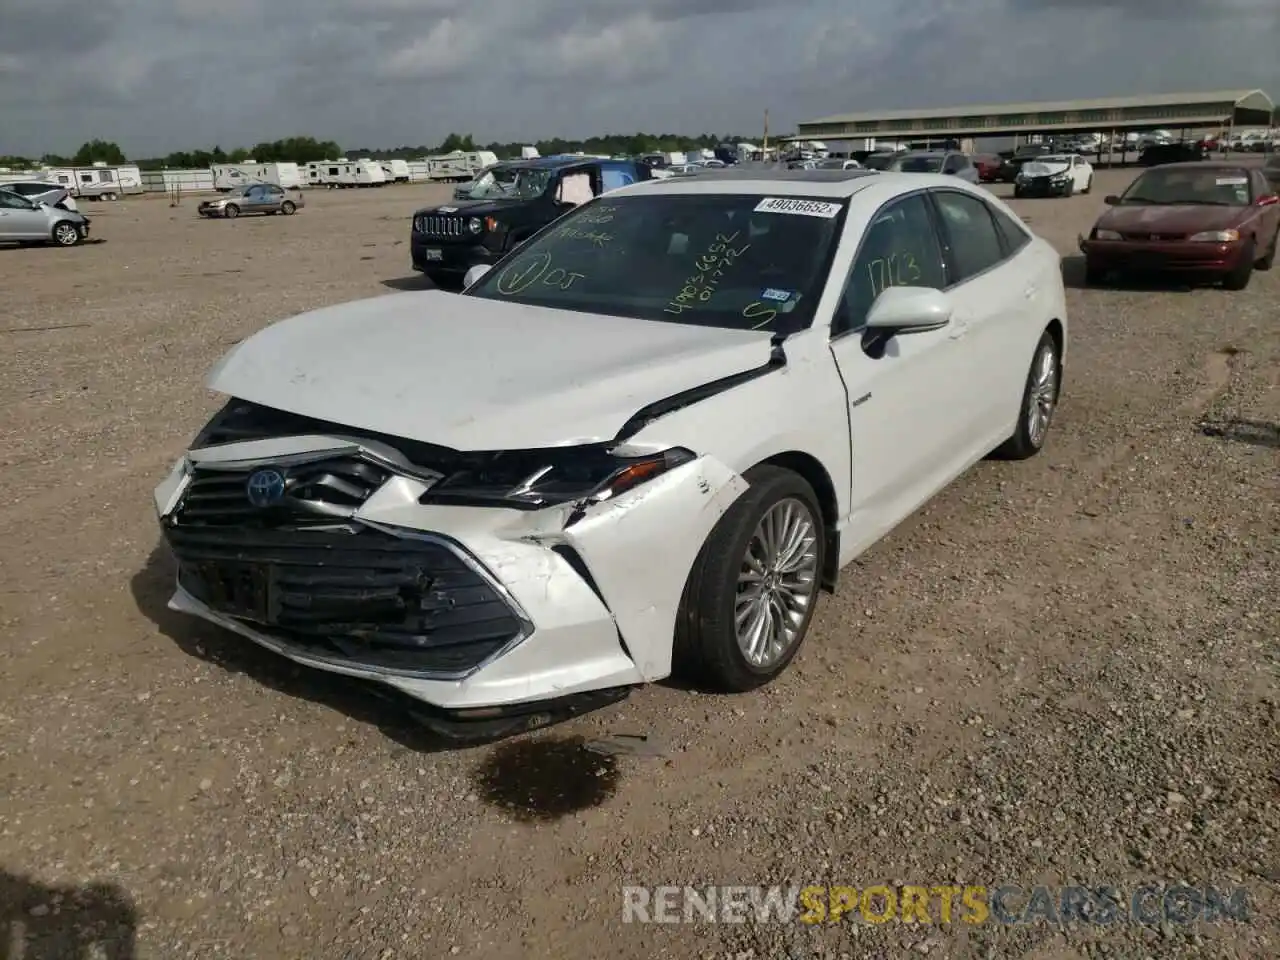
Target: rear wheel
<point>1239,278</point>
<point>287,208</point>
<point>65,233</point>
<point>751,594</point>
<point>231,211</point>
<point>1039,401</point>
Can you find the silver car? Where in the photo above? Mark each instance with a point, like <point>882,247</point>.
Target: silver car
<point>42,191</point>
<point>950,162</point>
<point>22,221</point>
<point>258,198</point>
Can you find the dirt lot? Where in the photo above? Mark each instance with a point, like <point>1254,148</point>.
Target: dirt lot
<point>1061,671</point>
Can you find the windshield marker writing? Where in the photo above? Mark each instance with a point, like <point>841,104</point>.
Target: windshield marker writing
<point>761,312</point>
<point>522,275</point>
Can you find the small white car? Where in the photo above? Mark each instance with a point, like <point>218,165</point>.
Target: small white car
<point>644,441</point>
<point>1055,174</point>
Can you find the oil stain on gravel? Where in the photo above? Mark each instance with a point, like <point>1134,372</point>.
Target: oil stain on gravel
<point>546,779</point>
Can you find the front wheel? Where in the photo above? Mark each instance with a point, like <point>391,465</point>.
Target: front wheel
<point>231,211</point>
<point>1088,185</point>
<point>1239,278</point>
<point>65,233</point>
<point>751,594</point>
<point>1069,189</point>
<point>1267,262</point>
<point>1039,401</point>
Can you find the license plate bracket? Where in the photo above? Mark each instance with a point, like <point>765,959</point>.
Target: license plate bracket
<point>241,590</point>
<point>434,253</point>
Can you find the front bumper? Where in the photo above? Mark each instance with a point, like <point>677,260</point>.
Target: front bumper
<point>211,210</point>
<point>513,613</point>
<point>447,257</point>
<point>1161,256</point>
<point>1041,187</point>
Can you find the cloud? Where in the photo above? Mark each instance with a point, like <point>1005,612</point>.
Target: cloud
<point>161,75</point>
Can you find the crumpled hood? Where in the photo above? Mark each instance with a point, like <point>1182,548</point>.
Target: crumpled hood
<point>1038,168</point>
<point>475,374</point>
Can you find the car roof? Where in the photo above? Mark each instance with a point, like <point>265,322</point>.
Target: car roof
<point>551,163</point>
<point>823,184</point>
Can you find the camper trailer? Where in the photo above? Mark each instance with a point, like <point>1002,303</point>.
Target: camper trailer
<point>528,153</point>
<point>459,166</point>
<point>98,182</point>
<point>342,173</point>
<point>397,171</point>
<point>232,176</point>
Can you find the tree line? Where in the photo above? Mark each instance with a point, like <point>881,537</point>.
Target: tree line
<point>308,149</point>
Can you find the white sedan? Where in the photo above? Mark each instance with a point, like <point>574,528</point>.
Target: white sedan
<point>644,441</point>
<point>1055,174</point>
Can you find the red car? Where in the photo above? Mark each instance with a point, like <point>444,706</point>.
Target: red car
<point>1214,220</point>
<point>988,165</point>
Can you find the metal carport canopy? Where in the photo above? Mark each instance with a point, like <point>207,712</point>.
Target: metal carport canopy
<point>1240,108</point>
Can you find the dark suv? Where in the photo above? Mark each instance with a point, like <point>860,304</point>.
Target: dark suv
<point>502,212</point>
<point>1158,154</point>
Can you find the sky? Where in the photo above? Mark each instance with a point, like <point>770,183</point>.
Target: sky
<point>162,75</point>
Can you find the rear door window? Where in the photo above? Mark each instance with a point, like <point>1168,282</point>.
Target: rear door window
<point>972,240</point>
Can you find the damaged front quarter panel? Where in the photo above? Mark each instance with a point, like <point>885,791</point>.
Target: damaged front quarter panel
<point>640,547</point>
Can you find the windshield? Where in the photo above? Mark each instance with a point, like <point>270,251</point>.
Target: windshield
<point>492,182</point>
<point>918,165</point>
<point>516,182</point>
<point>737,261</point>
<point>1211,187</point>
<point>878,161</point>
<point>1053,158</point>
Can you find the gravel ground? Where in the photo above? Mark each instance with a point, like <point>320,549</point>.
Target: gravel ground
<point>1060,671</point>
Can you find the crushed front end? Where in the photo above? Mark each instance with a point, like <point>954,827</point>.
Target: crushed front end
<point>489,606</point>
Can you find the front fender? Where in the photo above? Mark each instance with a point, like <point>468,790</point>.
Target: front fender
<point>640,548</point>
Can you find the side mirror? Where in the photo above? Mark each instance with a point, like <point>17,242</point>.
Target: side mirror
<point>901,310</point>
<point>474,274</point>
<point>1268,200</point>
<point>1111,200</point>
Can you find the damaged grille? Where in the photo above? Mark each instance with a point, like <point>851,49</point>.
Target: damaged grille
<point>436,225</point>
<point>365,598</point>
<point>316,492</point>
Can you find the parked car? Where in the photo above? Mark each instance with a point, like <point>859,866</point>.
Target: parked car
<point>611,456</point>
<point>259,198</point>
<point>949,162</point>
<point>1012,163</point>
<point>25,221</point>
<point>1210,219</point>
<point>880,161</point>
<point>1271,170</point>
<point>42,191</point>
<point>1162,153</point>
<point>447,241</point>
<point>1054,174</point>
<point>988,166</point>
<point>836,163</point>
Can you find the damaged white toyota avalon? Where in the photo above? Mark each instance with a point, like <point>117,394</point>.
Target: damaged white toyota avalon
<point>644,441</point>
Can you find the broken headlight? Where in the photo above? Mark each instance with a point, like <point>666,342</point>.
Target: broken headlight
<point>529,480</point>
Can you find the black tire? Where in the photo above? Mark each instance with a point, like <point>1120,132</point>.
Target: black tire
<point>1069,189</point>
<point>288,208</point>
<point>1017,193</point>
<point>1088,185</point>
<point>706,642</point>
<point>1027,440</point>
<point>1239,278</point>
<point>231,211</point>
<point>65,233</point>
<point>1269,261</point>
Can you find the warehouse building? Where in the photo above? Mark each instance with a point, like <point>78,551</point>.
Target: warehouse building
<point>1172,111</point>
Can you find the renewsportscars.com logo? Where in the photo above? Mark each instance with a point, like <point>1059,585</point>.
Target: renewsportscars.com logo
<point>1006,904</point>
